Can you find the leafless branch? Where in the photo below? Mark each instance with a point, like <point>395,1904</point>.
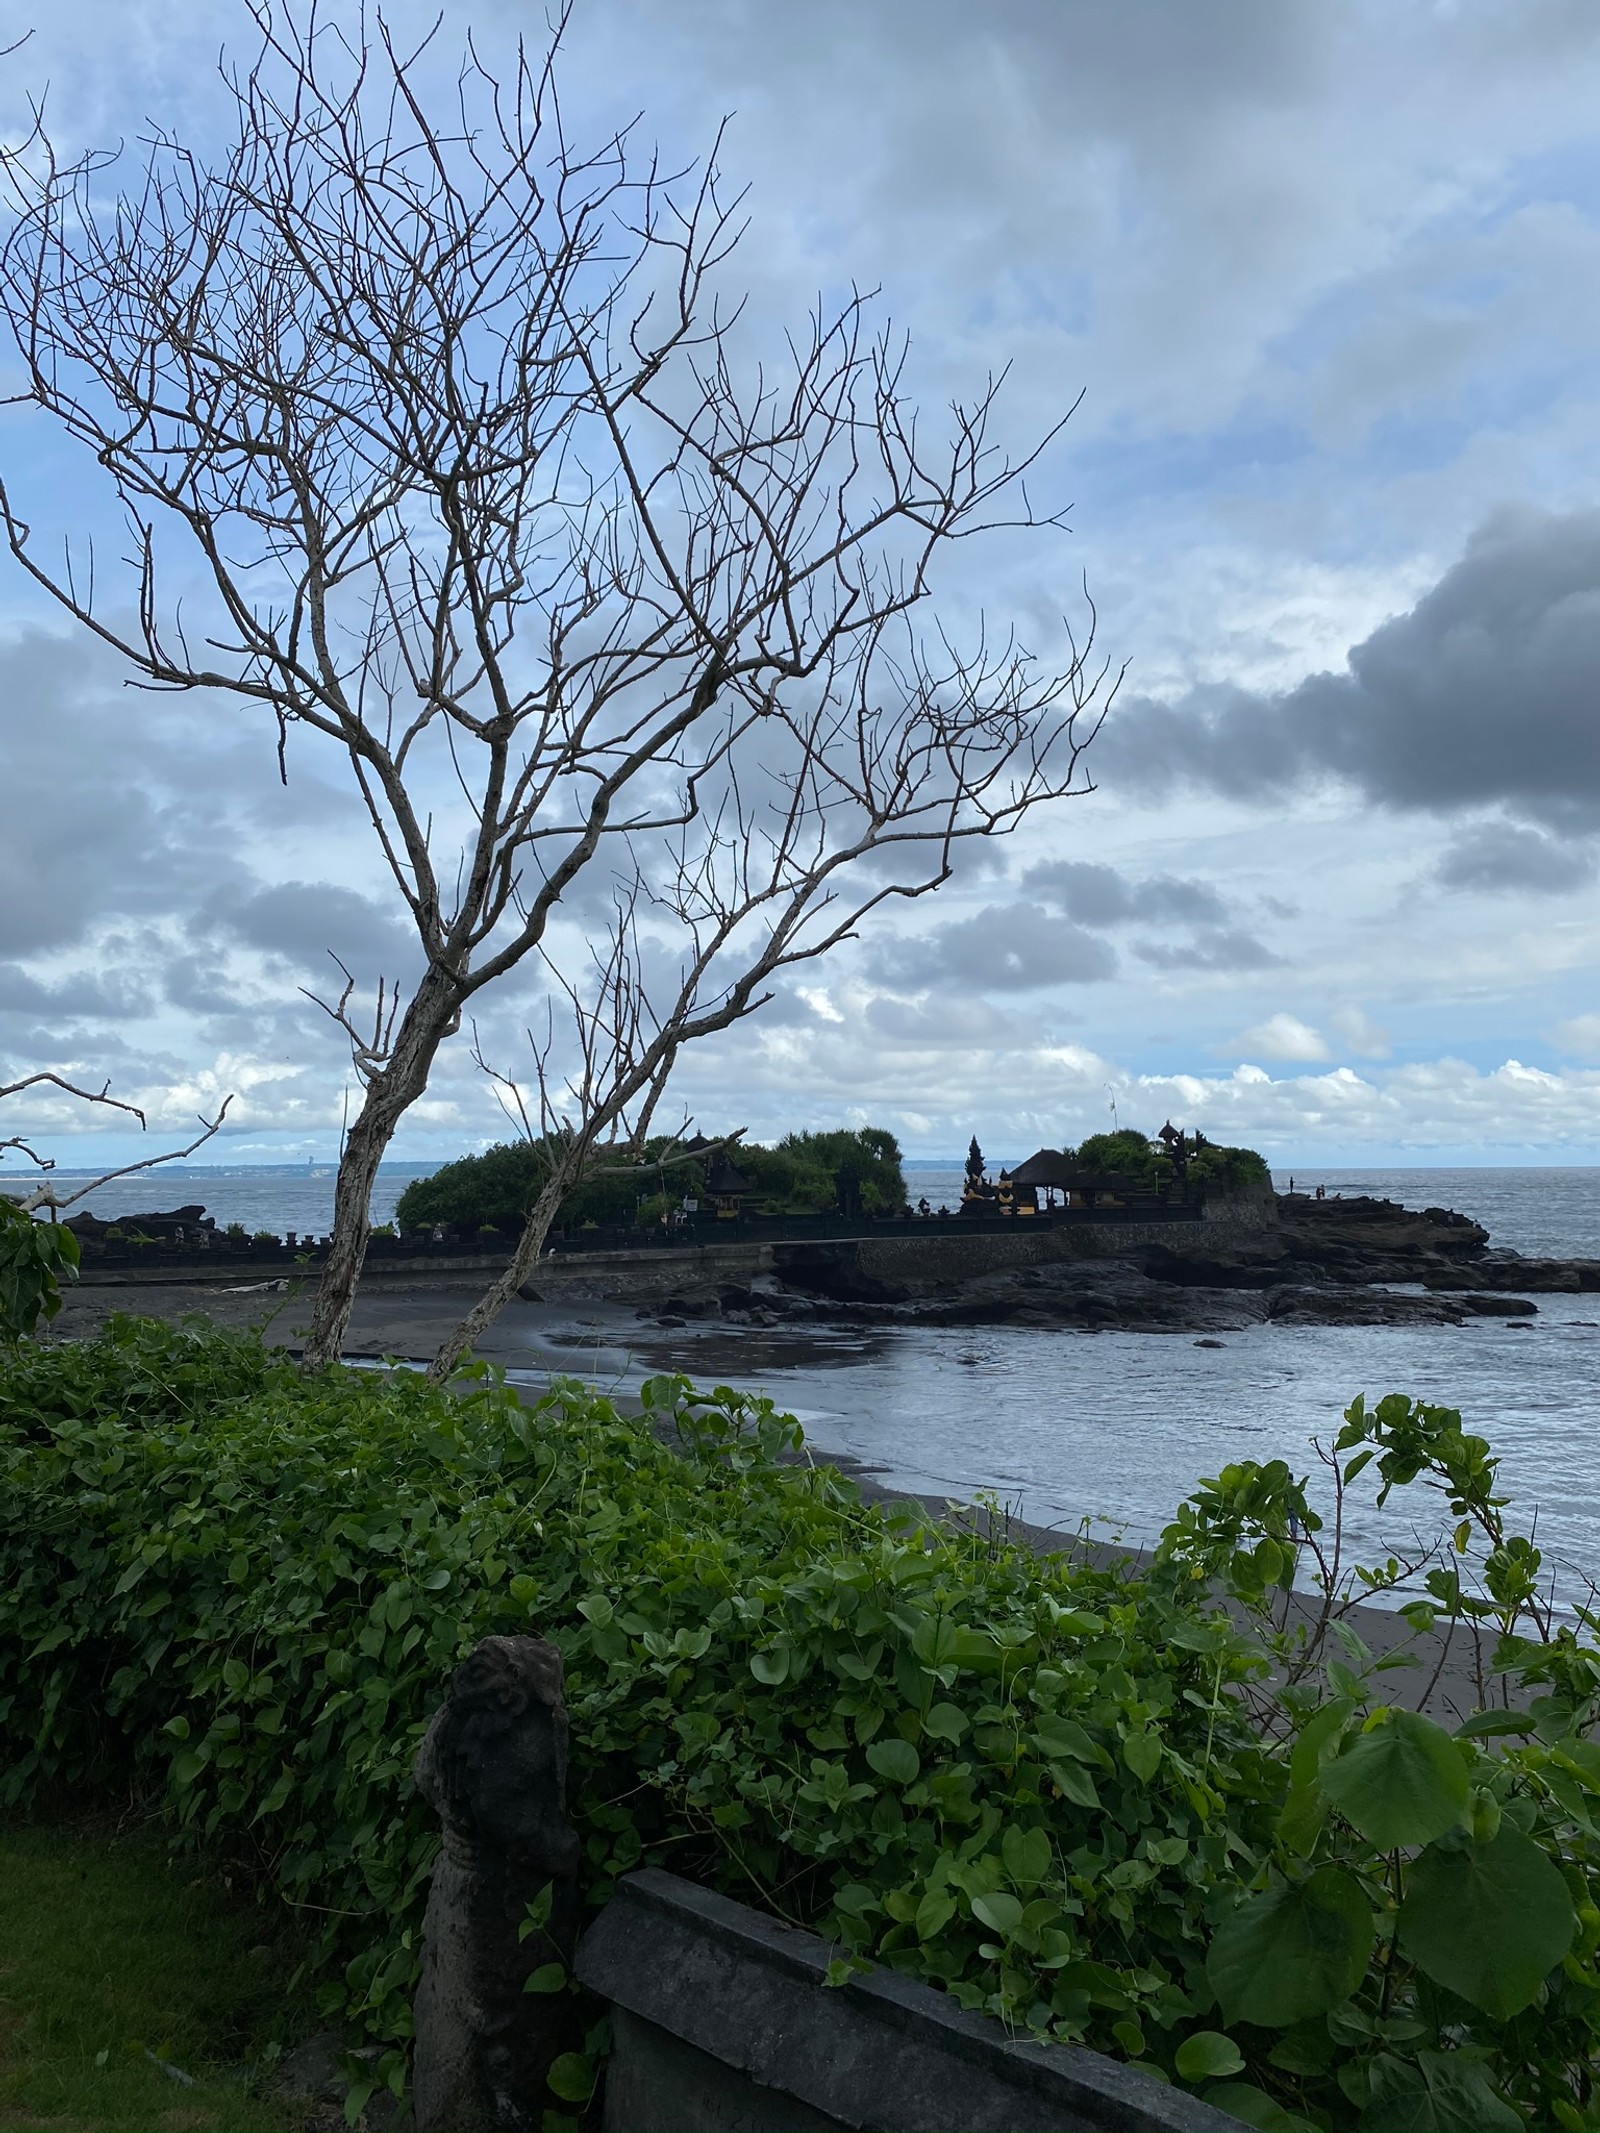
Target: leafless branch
<point>45,1194</point>
<point>490,497</point>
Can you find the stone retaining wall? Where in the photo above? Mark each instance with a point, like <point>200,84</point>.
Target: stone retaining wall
<point>721,2023</point>
<point>912,1260</point>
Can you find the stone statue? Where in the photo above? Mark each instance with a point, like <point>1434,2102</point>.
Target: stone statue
<point>494,1765</point>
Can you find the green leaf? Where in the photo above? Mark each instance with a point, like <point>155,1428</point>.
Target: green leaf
<point>895,1760</point>
<point>1243,2100</point>
<point>1316,1739</point>
<point>572,2077</point>
<point>1027,1854</point>
<point>1301,1818</point>
<point>1075,1785</point>
<point>1437,2092</point>
<point>1142,1754</point>
<point>772,1665</point>
<point>1484,1725</point>
<point>549,1977</point>
<point>279,1792</point>
<point>1401,1783</point>
<point>1487,1921</point>
<point>945,1722</point>
<point>1063,1736</point>
<point>935,1643</point>
<point>1000,1912</point>
<point>1293,1952</point>
<point>1208,2056</point>
<point>934,1913</point>
<point>235,1673</point>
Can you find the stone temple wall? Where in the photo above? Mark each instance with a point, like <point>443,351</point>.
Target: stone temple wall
<point>951,1257</point>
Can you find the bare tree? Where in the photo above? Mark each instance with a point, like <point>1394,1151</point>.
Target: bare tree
<point>615,625</point>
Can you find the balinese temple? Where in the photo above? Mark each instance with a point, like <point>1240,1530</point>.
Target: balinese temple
<point>726,1188</point>
<point>1043,1176</point>
<point>978,1196</point>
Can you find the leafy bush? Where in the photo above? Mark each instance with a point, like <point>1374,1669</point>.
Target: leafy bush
<point>1125,1154</point>
<point>1419,1947</point>
<point>1018,1778</point>
<point>35,1258</point>
<point>1129,1154</point>
<point>1229,1166</point>
<point>800,1174</point>
<point>1101,1807</point>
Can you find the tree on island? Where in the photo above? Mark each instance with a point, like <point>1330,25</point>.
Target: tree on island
<point>1144,1160</point>
<point>490,496</point>
<point>797,1175</point>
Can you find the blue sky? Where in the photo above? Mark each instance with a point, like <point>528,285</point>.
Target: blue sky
<point>1328,276</point>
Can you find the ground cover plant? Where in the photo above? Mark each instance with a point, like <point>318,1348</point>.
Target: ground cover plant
<point>131,1995</point>
<point>1146,1812</point>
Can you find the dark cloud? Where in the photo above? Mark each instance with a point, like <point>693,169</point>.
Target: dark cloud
<point>1510,856</point>
<point>117,996</point>
<point>113,804</point>
<point>1002,948</point>
<point>1488,690</point>
<point>1100,896</point>
<point>306,922</point>
<point>1210,948</point>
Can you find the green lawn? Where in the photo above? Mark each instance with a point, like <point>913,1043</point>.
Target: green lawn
<point>109,1951</point>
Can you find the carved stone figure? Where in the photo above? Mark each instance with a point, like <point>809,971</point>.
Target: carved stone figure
<point>494,1764</point>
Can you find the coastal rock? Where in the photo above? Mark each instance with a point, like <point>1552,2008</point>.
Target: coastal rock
<point>1339,1231</point>
<point>1361,1306</point>
<point>1509,1270</point>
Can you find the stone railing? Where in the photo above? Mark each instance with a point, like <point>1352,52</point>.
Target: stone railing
<point>720,2018</point>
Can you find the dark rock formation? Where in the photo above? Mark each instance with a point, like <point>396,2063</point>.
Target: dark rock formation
<point>1339,1262</point>
<point>494,1765</point>
<point>175,1225</point>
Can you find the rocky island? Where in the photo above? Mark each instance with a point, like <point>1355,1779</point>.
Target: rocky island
<point>1285,1258</point>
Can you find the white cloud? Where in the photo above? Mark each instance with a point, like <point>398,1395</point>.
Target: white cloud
<point>1283,1036</point>
<point>1357,1033</point>
<point>1579,1038</point>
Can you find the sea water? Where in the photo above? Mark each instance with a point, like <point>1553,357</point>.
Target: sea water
<point>1119,1426</point>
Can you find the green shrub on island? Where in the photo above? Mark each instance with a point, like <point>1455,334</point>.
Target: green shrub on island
<point>1229,1166</point>
<point>1144,1162</point>
<point>1125,1154</point>
<point>799,1175</point>
<point>1094,1804</point>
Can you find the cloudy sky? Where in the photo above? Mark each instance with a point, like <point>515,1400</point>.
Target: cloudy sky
<point>1327,275</point>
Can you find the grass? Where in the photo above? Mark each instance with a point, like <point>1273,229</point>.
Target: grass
<point>112,1949</point>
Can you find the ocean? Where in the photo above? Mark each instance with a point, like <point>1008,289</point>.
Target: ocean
<point>1116,1427</point>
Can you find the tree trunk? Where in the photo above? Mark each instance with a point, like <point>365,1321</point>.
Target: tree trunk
<point>391,1092</point>
<point>505,1284</point>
